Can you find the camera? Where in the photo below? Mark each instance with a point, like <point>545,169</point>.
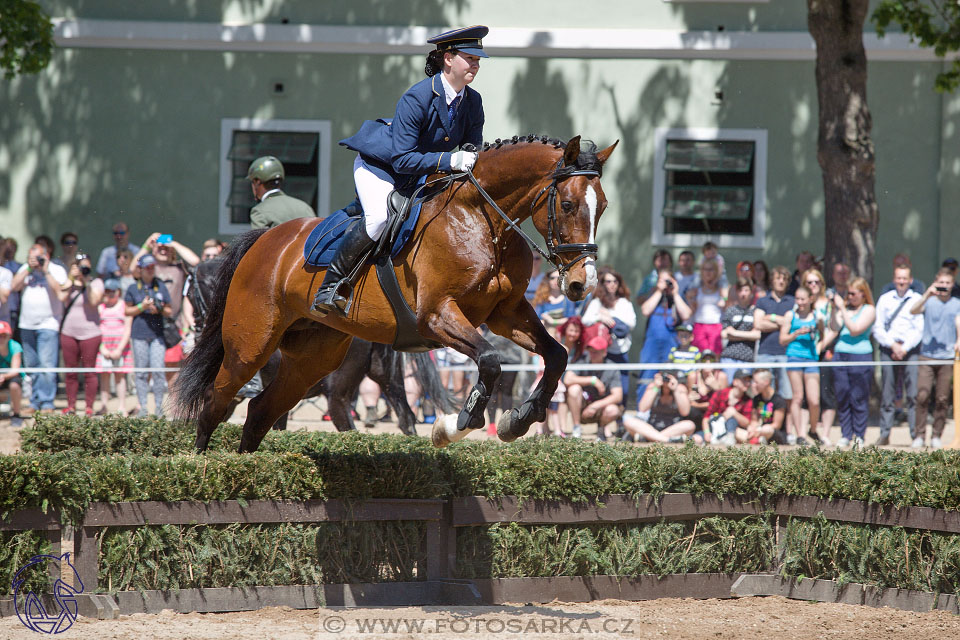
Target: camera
<point>943,290</point>
<point>41,260</point>
<point>85,270</point>
<point>165,238</point>
<point>831,293</point>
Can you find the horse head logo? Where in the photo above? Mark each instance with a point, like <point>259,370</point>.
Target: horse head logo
<point>29,606</point>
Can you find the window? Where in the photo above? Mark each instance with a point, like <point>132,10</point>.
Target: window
<point>709,185</point>
<point>303,146</point>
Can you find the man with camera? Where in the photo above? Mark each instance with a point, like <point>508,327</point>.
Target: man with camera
<point>941,325</point>
<point>41,310</point>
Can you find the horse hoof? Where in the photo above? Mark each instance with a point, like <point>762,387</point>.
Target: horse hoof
<point>445,431</point>
<point>506,424</point>
<point>438,436</point>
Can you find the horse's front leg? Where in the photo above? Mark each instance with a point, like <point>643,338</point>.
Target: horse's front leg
<point>521,324</point>
<point>452,328</point>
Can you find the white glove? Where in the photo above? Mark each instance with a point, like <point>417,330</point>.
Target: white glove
<point>462,160</point>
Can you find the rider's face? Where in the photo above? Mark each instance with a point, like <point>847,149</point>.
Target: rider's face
<point>462,68</point>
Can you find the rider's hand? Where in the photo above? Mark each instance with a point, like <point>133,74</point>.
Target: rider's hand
<point>462,160</point>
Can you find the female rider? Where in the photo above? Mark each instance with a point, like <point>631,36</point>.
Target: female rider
<point>432,118</point>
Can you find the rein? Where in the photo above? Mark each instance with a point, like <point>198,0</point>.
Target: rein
<point>552,255</point>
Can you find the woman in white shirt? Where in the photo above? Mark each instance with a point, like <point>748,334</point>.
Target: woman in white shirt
<point>611,306</point>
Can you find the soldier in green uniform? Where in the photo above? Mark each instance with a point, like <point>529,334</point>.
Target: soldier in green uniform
<point>273,205</point>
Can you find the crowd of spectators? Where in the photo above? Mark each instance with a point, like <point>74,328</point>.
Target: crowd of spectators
<point>115,314</point>
<point>793,320</point>
<point>125,310</point>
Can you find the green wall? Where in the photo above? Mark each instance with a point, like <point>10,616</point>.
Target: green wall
<point>108,134</point>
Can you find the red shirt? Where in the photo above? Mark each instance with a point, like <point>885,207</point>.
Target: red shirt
<point>719,403</point>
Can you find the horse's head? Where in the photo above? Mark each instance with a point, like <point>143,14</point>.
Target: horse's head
<point>568,215</point>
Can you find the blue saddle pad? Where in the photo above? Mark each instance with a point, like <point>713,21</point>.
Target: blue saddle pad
<point>324,240</point>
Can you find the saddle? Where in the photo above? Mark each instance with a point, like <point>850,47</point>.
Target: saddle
<point>403,210</point>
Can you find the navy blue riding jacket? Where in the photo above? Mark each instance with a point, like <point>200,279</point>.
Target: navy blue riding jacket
<point>419,139</point>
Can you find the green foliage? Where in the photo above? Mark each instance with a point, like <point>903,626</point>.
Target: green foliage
<point>149,436</point>
<point>69,461</point>
<point>26,37</point>
<point>710,545</point>
<point>42,480</point>
<point>180,557</point>
<point>881,556</point>
<point>16,549</point>
<point>931,23</point>
<point>214,476</point>
<point>356,465</point>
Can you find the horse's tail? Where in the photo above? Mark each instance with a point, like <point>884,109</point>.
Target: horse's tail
<point>200,368</point>
<point>426,373</point>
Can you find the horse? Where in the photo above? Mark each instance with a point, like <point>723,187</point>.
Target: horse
<point>467,263</point>
<point>381,363</point>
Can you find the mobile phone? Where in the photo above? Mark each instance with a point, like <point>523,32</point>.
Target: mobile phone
<point>165,238</point>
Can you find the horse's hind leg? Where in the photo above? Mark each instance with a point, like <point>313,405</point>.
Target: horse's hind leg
<point>308,355</point>
<point>386,369</point>
<point>521,324</point>
<point>453,329</point>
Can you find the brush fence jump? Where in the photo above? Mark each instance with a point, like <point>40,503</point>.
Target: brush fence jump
<point>444,517</point>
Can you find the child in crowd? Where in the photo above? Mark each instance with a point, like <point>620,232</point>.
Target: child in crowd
<point>684,352</point>
<point>11,356</point>
<point>709,251</point>
<point>115,356</point>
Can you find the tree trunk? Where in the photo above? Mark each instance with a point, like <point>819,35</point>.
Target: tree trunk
<point>844,146</point>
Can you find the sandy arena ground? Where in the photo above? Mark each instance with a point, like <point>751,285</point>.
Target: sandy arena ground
<point>749,618</point>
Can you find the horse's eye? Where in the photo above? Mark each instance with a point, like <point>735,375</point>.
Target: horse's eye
<point>567,206</point>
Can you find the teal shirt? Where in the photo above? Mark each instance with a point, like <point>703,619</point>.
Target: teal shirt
<point>860,344</point>
<point>13,348</point>
<point>803,346</point>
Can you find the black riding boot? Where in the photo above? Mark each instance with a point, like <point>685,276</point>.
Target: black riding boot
<point>335,291</point>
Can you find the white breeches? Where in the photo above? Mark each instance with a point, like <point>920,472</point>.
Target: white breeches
<point>373,192</point>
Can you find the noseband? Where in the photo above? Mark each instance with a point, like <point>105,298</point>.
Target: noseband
<point>554,249</point>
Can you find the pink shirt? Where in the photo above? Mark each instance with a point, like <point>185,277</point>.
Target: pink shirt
<point>83,320</point>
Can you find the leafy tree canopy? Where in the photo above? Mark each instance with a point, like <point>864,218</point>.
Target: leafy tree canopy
<point>26,37</point>
<point>932,23</point>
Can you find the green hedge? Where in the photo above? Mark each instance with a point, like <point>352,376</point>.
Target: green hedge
<point>392,466</point>
<point>69,462</point>
<point>180,557</point>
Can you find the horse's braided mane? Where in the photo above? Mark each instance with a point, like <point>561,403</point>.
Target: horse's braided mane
<point>586,160</point>
<point>496,144</point>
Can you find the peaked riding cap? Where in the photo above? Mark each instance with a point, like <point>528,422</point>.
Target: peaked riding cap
<point>468,40</point>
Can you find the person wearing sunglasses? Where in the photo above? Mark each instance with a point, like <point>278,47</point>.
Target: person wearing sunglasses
<point>107,263</point>
<point>69,246</point>
<point>814,281</point>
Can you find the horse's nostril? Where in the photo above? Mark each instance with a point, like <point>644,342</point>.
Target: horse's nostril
<point>576,287</point>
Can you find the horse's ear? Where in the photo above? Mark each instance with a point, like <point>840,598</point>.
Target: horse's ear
<point>603,155</point>
<point>571,152</point>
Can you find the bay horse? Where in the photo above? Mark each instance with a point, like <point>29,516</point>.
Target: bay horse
<point>466,264</point>
<point>379,362</point>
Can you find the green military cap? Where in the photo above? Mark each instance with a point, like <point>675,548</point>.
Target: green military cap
<point>265,169</point>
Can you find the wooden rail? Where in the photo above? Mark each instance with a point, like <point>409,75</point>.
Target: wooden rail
<point>443,518</point>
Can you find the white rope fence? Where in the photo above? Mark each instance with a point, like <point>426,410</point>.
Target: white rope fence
<point>579,366</point>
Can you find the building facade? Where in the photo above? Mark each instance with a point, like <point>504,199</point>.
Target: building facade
<point>149,113</point>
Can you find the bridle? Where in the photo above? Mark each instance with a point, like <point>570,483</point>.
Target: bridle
<point>554,249</point>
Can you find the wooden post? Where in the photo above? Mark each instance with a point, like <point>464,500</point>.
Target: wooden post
<point>87,557</point>
<point>956,404</point>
